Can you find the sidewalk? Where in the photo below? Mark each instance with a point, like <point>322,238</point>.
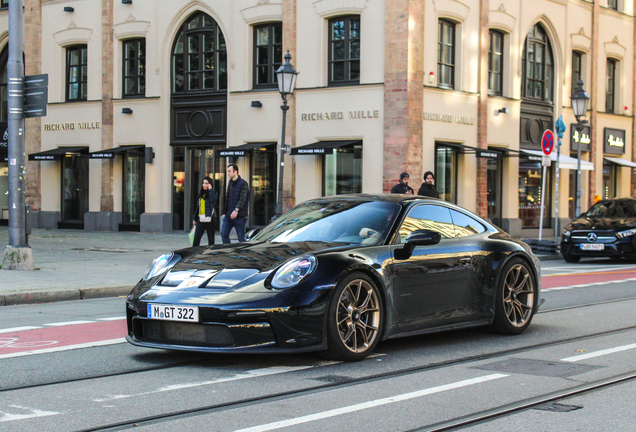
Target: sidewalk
<point>75,264</point>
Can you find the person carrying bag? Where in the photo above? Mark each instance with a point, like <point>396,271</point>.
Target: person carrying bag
<point>203,218</point>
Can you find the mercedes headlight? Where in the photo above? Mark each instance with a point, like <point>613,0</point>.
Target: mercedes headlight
<point>293,272</point>
<point>161,264</point>
<point>567,233</point>
<point>627,233</point>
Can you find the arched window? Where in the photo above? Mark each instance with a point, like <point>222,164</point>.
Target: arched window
<point>537,66</point>
<point>199,56</point>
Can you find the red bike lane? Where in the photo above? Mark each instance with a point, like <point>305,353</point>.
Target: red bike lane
<point>593,278</point>
<point>48,339</point>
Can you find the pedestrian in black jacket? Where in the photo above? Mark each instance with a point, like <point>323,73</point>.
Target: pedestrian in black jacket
<point>235,206</point>
<point>428,188</point>
<point>403,186</point>
<point>203,217</point>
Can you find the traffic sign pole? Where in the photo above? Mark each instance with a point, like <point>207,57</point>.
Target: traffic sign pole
<point>547,144</point>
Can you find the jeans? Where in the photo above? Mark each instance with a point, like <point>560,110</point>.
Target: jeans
<point>239,226</point>
<point>200,227</point>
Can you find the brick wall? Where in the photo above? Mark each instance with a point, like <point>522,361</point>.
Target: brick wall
<point>106,201</point>
<point>289,43</point>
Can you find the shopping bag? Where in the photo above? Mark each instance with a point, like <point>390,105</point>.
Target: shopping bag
<point>191,235</point>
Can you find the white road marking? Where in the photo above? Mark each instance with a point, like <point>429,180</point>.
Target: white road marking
<point>17,329</point>
<point>60,324</point>
<point>111,318</point>
<point>599,353</point>
<point>6,417</point>
<point>255,373</point>
<point>588,285</point>
<point>371,404</point>
<point>64,348</point>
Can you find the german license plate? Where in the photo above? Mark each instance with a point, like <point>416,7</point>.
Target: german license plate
<point>595,246</point>
<point>173,312</point>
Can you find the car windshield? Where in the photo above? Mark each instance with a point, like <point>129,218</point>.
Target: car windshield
<point>342,220</point>
<point>613,209</point>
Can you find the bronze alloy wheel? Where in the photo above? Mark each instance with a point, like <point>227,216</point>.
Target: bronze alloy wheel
<point>358,316</point>
<point>518,295</point>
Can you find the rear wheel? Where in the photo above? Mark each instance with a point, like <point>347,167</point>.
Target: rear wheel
<point>571,258</point>
<point>354,319</point>
<point>516,298</point>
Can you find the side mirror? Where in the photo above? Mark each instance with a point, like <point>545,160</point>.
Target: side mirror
<point>421,237</point>
<point>251,233</point>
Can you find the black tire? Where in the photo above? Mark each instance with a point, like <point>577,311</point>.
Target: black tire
<point>516,298</point>
<point>571,258</point>
<point>354,319</point>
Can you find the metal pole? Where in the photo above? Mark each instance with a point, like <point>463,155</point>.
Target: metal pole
<point>15,69</point>
<point>577,210</point>
<point>279,199</point>
<point>556,213</point>
<point>542,202</point>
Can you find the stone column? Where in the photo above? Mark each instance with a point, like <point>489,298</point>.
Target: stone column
<point>403,90</point>
<point>33,126</point>
<point>290,43</point>
<point>106,202</point>
<point>593,92</point>
<point>482,109</point>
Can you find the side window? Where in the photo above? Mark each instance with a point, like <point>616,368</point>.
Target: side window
<point>430,217</point>
<point>465,225</point>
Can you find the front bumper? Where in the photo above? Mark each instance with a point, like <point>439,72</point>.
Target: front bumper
<point>622,248</point>
<point>279,322</point>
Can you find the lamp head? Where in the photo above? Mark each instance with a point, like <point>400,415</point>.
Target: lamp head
<point>286,76</point>
<point>580,100</point>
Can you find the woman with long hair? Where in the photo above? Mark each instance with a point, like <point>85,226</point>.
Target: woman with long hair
<point>203,218</point>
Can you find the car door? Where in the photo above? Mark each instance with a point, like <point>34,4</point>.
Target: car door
<point>428,286</point>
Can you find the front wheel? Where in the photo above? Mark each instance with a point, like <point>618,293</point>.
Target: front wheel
<point>516,298</point>
<point>354,319</point>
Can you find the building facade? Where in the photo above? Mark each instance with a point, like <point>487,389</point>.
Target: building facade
<point>146,98</point>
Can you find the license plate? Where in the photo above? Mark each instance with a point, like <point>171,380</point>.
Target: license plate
<point>595,246</point>
<point>173,313</point>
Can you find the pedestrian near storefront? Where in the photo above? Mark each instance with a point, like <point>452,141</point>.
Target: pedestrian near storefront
<point>403,186</point>
<point>237,199</point>
<point>203,218</point>
<point>428,188</point>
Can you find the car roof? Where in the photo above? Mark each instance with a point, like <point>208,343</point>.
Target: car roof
<point>394,198</point>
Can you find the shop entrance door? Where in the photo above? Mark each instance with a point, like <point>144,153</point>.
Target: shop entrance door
<point>74,190</point>
<point>134,181</point>
<point>263,184</point>
<point>191,165</point>
<point>494,174</point>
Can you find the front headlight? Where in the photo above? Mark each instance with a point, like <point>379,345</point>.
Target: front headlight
<point>161,264</point>
<point>292,273</point>
<point>627,233</point>
<point>567,233</point>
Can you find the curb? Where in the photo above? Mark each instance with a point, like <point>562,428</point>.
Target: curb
<point>554,257</point>
<point>63,295</point>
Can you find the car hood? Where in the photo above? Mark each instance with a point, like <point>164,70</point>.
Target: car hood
<point>597,223</point>
<point>226,266</point>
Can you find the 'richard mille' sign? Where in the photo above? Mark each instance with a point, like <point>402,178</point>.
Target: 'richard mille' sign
<point>339,115</point>
<point>71,126</point>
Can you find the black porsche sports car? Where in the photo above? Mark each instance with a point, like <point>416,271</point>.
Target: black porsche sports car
<point>337,275</point>
<point>607,229</point>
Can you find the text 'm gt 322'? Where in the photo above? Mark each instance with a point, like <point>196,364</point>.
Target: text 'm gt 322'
<point>337,275</point>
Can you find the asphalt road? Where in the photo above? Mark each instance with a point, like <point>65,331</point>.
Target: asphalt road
<point>584,336</point>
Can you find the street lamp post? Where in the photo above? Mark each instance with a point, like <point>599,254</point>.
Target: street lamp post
<point>286,76</point>
<point>580,100</point>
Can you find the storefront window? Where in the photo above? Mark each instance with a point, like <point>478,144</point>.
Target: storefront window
<point>530,176</point>
<point>446,172</point>
<point>342,171</point>
<point>609,180</point>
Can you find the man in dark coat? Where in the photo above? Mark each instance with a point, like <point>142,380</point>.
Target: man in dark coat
<point>403,186</point>
<point>235,205</point>
<point>428,188</point>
